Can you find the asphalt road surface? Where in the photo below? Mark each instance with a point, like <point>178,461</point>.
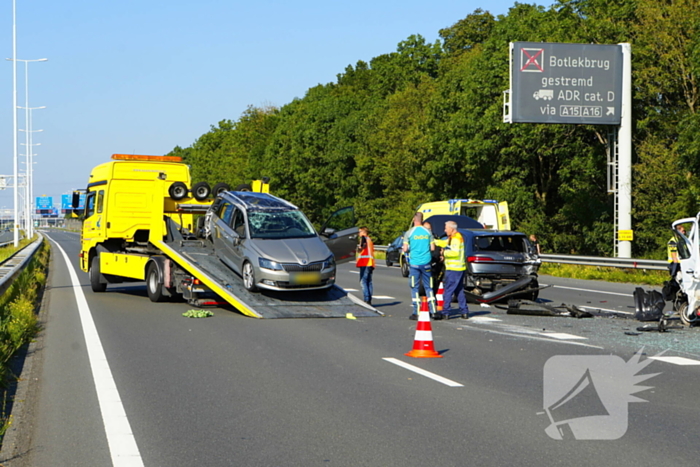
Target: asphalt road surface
<point>146,386</point>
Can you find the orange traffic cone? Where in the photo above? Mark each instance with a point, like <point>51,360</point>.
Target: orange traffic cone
<point>440,299</point>
<point>423,342</point>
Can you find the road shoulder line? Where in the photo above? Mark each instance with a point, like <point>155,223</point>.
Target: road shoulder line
<point>122,444</point>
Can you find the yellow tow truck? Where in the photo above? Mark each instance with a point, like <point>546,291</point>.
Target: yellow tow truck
<point>139,225</point>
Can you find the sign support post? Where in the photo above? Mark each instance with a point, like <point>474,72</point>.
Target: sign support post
<point>580,84</point>
<point>624,138</point>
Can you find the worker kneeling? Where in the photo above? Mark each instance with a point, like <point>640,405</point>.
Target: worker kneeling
<point>455,267</point>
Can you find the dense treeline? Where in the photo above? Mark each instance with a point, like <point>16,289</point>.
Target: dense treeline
<point>425,123</point>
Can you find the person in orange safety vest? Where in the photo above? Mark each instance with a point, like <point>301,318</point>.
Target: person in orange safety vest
<point>365,261</point>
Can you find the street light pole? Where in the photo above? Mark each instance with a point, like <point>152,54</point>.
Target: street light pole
<point>14,113</point>
<point>29,184</point>
<point>29,227</point>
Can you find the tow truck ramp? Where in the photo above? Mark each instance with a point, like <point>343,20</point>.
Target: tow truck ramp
<point>198,258</point>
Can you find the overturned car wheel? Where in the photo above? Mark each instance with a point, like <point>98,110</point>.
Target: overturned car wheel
<point>688,317</point>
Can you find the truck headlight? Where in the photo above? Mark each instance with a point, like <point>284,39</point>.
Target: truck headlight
<point>269,264</point>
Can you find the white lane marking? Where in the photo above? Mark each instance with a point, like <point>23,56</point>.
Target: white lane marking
<point>561,335</point>
<point>594,291</point>
<point>354,272</point>
<point>533,337</point>
<point>425,373</point>
<point>483,319</point>
<point>122,444</point>
<point>677,360</point>
<point>597,308</point>
<point>380,297</point>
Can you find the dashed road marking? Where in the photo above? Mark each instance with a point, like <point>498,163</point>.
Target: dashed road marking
<point>593,291</point>
<point>483,319</point>
<point>374,297</point>
<point>422,372</point>
<point>677,360</point>
<point>561,335</point>
<point>597,308</point>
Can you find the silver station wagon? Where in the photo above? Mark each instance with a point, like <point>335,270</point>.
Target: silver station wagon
<point>271,244</point>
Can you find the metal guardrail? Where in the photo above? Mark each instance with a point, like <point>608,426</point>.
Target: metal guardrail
<point>10,269</point>
<point>625,263</point>
<point>600,261</point>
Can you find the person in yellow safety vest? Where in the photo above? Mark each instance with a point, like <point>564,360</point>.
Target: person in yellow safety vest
<point>365,261</point>
<point>672,250</point>
<point>455,267</point>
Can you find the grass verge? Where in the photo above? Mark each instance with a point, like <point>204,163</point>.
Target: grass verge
<point>18,319</point>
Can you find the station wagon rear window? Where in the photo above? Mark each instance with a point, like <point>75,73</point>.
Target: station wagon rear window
<point>500,243</point>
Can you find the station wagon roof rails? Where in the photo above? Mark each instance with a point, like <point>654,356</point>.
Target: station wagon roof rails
<point>260,201</point>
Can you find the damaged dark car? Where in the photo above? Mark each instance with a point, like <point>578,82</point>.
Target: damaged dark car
<point>500,264</point>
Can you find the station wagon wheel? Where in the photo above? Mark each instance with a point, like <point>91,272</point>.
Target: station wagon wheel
<point>220,188</point>
<point>687,316</point>
<point>177,190</point>
<point>201,191</point>
<point>95,283</point>
<point>249,277</point>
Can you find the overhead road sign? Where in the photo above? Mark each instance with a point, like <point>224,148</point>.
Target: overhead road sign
<point>67,203</point>
<point>44,202</point>
<point>565,83</point>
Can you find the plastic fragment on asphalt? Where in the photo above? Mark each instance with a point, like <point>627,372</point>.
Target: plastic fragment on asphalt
<point>350,316</point>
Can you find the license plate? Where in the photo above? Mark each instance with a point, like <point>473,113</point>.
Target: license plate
<point>305,278</point>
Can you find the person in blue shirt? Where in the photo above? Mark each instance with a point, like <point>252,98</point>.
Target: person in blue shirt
<point>418,245</point>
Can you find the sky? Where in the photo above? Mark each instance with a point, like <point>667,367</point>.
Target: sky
<point>142,77</point>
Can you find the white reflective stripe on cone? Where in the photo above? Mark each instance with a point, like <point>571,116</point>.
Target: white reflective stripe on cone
<point>424,336</point>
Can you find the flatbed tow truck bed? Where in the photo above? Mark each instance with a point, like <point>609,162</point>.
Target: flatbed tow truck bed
<point>198,258</point>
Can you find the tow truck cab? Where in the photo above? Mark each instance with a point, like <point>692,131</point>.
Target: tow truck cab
<point>121,197</point>
<point>493,215</point>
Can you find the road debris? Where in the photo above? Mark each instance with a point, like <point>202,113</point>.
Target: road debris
<point>530,308</point>
<point>649,306</point>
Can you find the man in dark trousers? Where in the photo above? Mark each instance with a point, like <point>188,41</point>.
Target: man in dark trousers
<point>418,244</point>
<point>455,265</point>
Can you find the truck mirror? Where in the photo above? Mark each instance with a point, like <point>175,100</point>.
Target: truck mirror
<point>76,200</point>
